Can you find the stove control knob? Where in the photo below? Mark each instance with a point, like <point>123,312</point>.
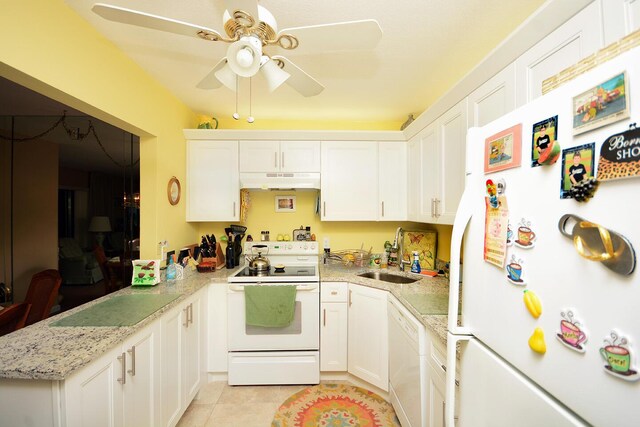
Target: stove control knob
<point>305,246</point>
<point>313,246</point>
<point>289,246</point>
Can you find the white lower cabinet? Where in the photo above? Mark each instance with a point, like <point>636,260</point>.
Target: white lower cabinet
<point>334,326</point>
<point>182,367</point>
<point>217,347</point>
<point>368,335</point>
<point>120,388</point>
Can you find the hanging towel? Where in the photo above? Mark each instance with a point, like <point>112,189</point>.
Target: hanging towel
<point>270,306</point>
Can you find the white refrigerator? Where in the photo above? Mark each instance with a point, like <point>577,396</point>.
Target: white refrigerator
<point>590,314</point>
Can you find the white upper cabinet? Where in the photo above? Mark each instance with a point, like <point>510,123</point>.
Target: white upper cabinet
<point>493,99</point>
<point>349,181</point>
<point>279,156</point>
<point>577,38</point>
<point>414,183</point>
<point>437,178</point>
<point>213,181</point>
<point>392,181</point>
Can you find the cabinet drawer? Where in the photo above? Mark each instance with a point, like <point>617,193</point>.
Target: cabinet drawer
<point>334,292</point>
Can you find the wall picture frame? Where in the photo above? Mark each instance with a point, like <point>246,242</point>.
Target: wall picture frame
<point>577,166</point>
<point>543,135</point>
<point>285,203</point>
<point>605,103</point>
<point>503,150</point>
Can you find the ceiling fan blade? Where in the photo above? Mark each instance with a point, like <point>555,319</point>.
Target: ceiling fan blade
<point>339,36</point>
<point>147,20</point>
<point>249,6</point>
<point>210,81</point>
<point>299,80</point>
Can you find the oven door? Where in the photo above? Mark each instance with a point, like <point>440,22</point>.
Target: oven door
<point>302,334</point>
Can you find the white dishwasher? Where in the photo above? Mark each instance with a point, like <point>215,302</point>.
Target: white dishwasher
<point>407,366</point>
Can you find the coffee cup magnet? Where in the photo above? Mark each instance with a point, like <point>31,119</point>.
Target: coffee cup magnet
<point>618,357</point>
<point>509,234</point>
<point>515,273</point>
<point>525,236</point>
<point>572,332</point>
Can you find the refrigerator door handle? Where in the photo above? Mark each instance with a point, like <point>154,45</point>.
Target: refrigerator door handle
<point>451,382</point>
<point>463,216</point>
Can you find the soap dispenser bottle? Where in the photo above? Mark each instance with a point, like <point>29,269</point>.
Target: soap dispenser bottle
<point>415,265</point>
<point>171,270</point>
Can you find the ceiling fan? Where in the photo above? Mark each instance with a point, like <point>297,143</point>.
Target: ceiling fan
<point>250,29</point>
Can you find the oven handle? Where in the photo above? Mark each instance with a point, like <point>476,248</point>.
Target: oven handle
<point>299,288</point>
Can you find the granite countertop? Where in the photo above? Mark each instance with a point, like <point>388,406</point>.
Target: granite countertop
<point>43,352</point>
<point>414,296</point>
<point>52,353</point>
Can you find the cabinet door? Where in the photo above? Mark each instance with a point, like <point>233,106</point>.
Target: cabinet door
<point>414,178</point>
<point>495,98</point>
<point>217,346</point>
<point>368,335</point>
<point>574,40</point>
<point>192,345</point>
<point>453,138</point>
<point>430,173</point>
<point>392,181</point>
<point>142,388</point>
<point>333,337</point>
<point>213,183</point>
<point>300,156</point>
<point>171,375</point>
<point>349,181</point>
<point>437,405</point>
<point>94,394</point>
<point>259,156</point>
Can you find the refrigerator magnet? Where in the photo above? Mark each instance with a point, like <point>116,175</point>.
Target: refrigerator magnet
<point>536,341</point>
<point>577,166</point>
<point>515,271</point>
<point>509,234</point>
<point>572,333</point>
<point>495,232</point>
<point>526,237</point>
<point>492,193</point>
<point>620,155</point>
<point>618,357</point>
<point>545,149</point>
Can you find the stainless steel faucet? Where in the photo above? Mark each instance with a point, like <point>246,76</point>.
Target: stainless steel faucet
<point>402,263</point>
<point>396,248</point>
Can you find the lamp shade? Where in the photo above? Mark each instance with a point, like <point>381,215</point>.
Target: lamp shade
<point>100,224</point>
<point>274,75</point>
<point>227,77</point>
<point>244,56</point>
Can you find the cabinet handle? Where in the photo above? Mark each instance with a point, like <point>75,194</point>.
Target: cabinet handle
<point>383,209</point>
<point>324,317</point>
<point>186,316</point>
<point>324,208</point>
<point>437,210</point>
<point>275,159</point>
<point>191,313</point>
<point>444,368</point>
<point>350,297</point>
<point>234,209</point>
<point>433,201</point>
<point>123,364</point>
<point>444,411</point>
<point>282,162</point>
<point>132,352</point>
<point>334,292</point>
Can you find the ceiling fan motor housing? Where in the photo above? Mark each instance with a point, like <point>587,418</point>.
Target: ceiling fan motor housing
<point>241,24</point>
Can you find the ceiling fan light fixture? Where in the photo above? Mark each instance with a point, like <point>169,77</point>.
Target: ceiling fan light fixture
<point>273,74</point>
<point>244,56</point>
<point>227,77</point>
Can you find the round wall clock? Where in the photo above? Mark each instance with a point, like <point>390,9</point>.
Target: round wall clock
<point>173,190</point>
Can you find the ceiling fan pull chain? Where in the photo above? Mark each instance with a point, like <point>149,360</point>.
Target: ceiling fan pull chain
<point>236,116</point>
<point>250,119</point>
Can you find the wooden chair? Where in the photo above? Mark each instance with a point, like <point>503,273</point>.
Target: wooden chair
<point>13,317</point>
<point>42,294</point>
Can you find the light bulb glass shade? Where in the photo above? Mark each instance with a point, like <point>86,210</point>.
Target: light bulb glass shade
<point>244,56</point>
<point>100,224</point>
<point>273,74</point>
<point>227,77</point>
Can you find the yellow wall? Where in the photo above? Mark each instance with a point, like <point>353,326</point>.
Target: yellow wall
<point>230,123</point>
<point>342,235</point>
<point>47,47</point>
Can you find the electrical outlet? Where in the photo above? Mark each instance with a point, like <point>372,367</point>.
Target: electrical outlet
<point>326,243</point>
<point>161,246</point>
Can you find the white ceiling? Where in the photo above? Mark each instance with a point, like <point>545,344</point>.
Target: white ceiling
<point>427,46</point>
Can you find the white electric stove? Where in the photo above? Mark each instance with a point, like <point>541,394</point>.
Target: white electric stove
<point>288,355</point>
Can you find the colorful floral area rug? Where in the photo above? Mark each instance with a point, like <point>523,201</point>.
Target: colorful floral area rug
<point>335,405</point>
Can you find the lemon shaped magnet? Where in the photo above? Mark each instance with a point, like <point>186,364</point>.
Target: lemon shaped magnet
<point>536,341</point>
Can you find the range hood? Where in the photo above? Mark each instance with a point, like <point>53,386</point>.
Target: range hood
<point>280,180</point>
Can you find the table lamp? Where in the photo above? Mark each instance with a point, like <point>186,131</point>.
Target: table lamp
<point>100,225</point>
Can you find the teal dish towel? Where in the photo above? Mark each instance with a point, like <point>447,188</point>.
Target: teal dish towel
<point>269,306</point>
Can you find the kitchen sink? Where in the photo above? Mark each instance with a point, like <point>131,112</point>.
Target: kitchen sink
<point>386,277</point>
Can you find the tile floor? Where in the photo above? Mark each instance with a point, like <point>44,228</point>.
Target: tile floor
<point>221,405</point>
